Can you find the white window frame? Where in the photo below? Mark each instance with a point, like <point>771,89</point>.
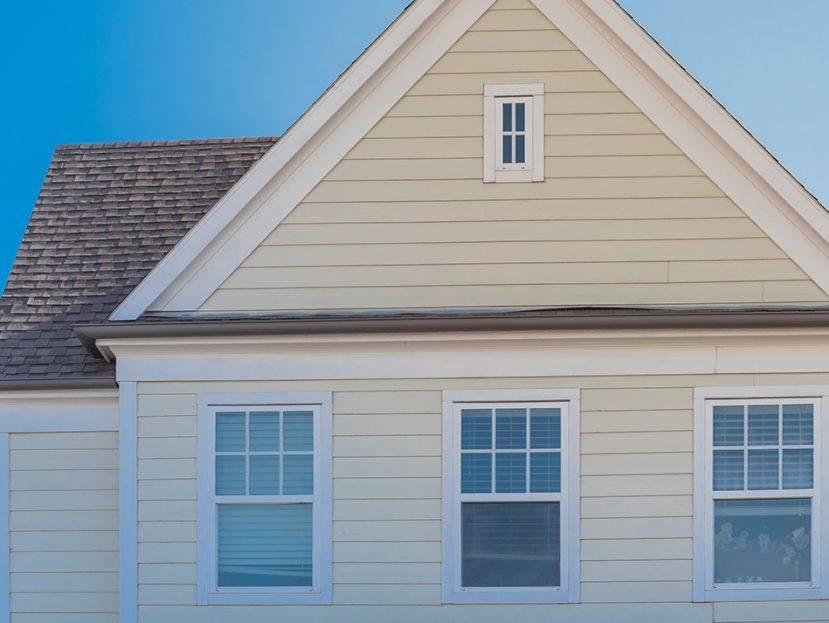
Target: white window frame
<point>207,590</point>
<point>495,170</point>
<point>703,555</point>
<point>568,592</point>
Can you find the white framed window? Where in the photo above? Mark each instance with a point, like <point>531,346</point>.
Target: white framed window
<point>510,496</point>
<point>759,523</point>
<point>514,133</point>
<point>264,498</point>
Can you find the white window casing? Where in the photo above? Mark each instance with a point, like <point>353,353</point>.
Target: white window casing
<point>273,498</point>
<point>513,124</point>
<point>771,535</point>
<point>563,503</point>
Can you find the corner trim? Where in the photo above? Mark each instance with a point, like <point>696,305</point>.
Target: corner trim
<point>128,502</point>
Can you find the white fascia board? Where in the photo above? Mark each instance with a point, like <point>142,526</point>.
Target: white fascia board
<point>700,127</point>
<point>235,226</point>
<point>58,411</point>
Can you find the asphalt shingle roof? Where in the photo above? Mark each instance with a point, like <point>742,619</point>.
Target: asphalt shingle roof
<point>106,214</point>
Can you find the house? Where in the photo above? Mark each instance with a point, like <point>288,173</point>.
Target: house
<point>515,323</point>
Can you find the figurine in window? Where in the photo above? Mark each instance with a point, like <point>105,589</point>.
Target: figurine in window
<point>724,537</point>
<point>763,542</point>
<point>741,541</point>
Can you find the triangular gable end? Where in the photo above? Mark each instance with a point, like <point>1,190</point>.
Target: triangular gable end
<point>612,42</point>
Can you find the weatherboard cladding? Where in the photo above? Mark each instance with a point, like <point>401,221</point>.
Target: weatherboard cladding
<point>105,216</point>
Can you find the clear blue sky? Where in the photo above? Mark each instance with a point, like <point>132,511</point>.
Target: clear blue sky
<point>115,70</point>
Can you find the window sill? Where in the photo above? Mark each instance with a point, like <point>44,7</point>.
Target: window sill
<point>760,594</point>
<point>525,596</point>
<point>258,599</point>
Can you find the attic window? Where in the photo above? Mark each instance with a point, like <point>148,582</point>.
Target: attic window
<point>514,133</point>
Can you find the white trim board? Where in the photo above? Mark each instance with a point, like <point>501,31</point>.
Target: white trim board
<point>687,114</point>
<point>5,563</point>
<point>128,503</point>
<point>58,411</point>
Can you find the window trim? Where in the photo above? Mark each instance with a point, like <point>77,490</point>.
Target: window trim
<point>493,170</point>
<point>569,591</point>
<point>703,555</point>
<point>207,592</point>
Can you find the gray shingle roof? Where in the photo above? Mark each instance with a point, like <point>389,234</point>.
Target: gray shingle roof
<point>105,216</point>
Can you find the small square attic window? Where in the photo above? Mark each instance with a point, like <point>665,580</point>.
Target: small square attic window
<point>514,133</point>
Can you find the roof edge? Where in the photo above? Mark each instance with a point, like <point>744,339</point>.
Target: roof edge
<point>558,319</point>
<point>56,383</point>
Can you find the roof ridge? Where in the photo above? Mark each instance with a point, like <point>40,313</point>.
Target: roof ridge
<point>170,143</point>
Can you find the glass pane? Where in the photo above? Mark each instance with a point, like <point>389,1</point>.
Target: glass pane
<point>507,142</point>
<point>507,117</point>
<point>510,428</point>
<point>798,469</point>
<point>298,431</point>
<point>512,544</point>
<point>798,425</point>
<point>511,473</point>
<point>763,469</point>
<point>728,426</point>
<point>545,428</point>
<point>762,541</point>
<point>230,475</point>
<point>763,423</point>
<point>265,545</point>
<point>476,429</point>
<point>520,117</point>
<point>230,432</point>
<point>728,470</point>
<point>520,149</point>
<point>264,432</point>
<point>264,475</point>
<point>545,472</point>
<point>298,474</point>
<point>476,473</point>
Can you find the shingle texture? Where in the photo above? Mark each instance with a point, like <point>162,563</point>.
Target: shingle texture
<point>105,216</point>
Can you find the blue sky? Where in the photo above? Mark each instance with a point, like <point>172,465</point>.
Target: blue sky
<point>115,70</point>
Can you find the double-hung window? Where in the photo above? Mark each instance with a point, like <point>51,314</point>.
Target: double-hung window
<point>759,522</point>
<point>510,497</point>
<point>264,506</point>
<point>514,133</point>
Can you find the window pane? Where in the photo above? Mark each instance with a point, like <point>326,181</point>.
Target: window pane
<point>511,472</point>
<point>545,428</point>
<point>230,432</point>
<point>476,473</point>
<point>762,541</point>
<point>728,426</point>
<point>762,425</point>
<point>762,469</point>
<point>728,470</point>
<point>520,116</point>
<point>264,475</point>
<point>264,432</point>
<point>230,475</point>
<point>545,472</point>
<point>507,117</point>
<point>520,155</point>
<point>798,425</point>
<point>512,544</point>
<point>265,545</point>
<point>298,474</point>
<point>510,428</point>
<point>507,142</point>
<point>298,431</point>
<point>798,469</point>
<point>476,429</point>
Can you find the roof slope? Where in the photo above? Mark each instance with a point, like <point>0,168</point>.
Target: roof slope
<point>105,216</point>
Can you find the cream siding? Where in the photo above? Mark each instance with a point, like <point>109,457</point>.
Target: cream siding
<point>63,505</point>
<point>623,218</point>
<point>636,505</point>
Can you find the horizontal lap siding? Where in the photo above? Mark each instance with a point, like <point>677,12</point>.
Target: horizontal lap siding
<point>636,480</point>
<point>63,503</point>
<point>623,218</point>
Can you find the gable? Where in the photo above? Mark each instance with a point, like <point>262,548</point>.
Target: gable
<point>653,147</point>
<point>624,217</point>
